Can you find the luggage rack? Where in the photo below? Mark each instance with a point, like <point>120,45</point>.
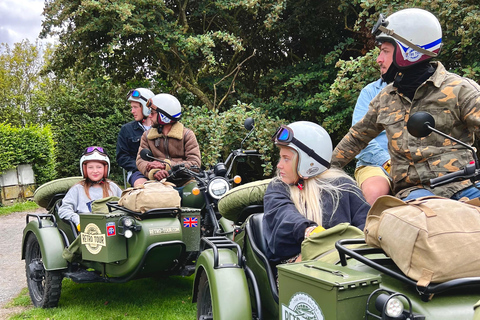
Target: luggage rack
<point>359,254</point>
<point>157,212</point>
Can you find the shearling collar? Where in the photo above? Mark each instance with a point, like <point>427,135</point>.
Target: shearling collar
<point>176,132</point>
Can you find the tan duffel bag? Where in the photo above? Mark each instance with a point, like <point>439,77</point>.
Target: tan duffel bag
<point>150,195</point>
<point>431,239</point>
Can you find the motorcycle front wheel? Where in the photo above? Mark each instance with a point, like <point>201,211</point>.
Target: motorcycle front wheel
<point>44,286</point>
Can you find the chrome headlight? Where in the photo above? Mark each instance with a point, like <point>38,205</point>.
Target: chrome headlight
<point>218,187</point>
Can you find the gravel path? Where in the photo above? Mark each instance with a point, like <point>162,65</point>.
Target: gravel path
<point>12,267</point>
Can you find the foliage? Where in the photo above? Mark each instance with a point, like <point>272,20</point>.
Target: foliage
<point>21,83</point>
<point>214,50</point>
<point>220,133</point>
<point>28,145</point>
<point>152,298</point>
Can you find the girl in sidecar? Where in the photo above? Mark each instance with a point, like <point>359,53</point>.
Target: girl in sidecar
<point>306,196</point>
<point>95,168</point>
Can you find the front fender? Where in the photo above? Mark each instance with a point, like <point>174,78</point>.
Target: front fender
<point>50,241</point>
<point>228,285</point>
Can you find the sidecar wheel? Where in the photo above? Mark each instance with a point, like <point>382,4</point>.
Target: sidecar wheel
<point>44,286</point>
<point>204,299</point>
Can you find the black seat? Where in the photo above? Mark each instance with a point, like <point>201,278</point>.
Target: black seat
<point>256,223</point>
<point>259,246</point>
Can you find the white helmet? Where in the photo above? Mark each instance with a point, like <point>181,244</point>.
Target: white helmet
<point>415,33</point>
<point>167,106</point>
<point>141,95</point>
<point>94,154</point>
<point>312,144</point>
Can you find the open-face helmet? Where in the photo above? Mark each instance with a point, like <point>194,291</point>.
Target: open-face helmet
<point>141,95</point>
<point>168,108</point>
<point>415,33</point>
<point>94,154</point>
<point>312,144</point>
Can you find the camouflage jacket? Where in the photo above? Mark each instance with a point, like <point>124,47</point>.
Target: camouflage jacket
<point>453,101</point>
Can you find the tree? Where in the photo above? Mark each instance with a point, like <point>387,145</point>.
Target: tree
<point>213,49</point>
<point>21,82</point>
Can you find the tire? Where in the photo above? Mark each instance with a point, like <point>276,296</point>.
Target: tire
<point>44,286</point>
<point>204,299</point>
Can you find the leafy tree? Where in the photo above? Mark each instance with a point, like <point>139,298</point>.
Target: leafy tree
<point>21,83</point>
<point>215,50</point>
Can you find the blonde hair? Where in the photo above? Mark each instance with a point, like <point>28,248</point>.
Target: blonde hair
<point>309,201</point>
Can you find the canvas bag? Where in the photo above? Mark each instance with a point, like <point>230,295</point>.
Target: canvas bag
<point>322,244</point>
<point>150,195</point>
<point>431,239</point>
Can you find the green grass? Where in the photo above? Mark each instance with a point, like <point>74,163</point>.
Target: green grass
<point>18,207</point>
<point>160,298</point>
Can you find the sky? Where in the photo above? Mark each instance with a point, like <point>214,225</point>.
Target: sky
<point>19,20</point>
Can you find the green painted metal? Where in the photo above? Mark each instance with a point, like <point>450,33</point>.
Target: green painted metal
<point>228,285</point>
<point>50,241</point>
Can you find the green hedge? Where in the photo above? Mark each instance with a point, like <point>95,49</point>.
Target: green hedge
<point>28,145</point>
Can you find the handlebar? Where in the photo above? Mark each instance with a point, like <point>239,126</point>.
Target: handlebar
<point>250,151</point>
<point>469,172</point>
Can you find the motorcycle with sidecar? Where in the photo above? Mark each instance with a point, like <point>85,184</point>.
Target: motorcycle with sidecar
<point>120,244</point>
<point>352,281</point>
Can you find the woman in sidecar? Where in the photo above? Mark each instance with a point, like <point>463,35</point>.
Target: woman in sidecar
<point>307,196</point>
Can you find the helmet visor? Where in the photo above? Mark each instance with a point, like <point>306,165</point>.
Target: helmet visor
<point>90,150</point>
<point>135,94</point>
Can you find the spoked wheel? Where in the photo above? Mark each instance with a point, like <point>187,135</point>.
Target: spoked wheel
<point>204,299</point>
<point>44,286</point>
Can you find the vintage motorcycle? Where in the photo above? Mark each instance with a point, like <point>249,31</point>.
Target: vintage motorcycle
<point>120,244</point>
<point>351,282</point>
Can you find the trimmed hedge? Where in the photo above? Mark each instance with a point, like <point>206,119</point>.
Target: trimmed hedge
<point>28,145</point>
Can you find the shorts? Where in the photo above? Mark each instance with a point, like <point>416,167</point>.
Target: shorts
<point>362,173</point>
<point>135,176</point>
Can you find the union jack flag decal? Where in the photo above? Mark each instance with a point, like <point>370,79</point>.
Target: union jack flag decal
<point>190,222</point>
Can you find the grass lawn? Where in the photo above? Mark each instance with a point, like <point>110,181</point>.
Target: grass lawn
<point>18,207</point>
<point>159,298</point>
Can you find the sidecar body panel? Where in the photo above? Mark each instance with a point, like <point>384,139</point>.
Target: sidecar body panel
<point>228,284</point>
<point>50,241</point>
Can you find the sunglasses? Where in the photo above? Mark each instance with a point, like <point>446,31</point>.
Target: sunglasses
<point>284,136</point>
<point>381,24</point>
<point>90,150</point>
<point>136,95</point>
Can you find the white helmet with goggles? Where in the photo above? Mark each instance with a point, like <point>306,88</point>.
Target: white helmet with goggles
<point>94,154</point>
<point>141,95</point>
<point>312,144</point>
<point>168,108</point>
<point>415,33</point>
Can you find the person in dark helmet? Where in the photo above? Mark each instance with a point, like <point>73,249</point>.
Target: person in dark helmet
<point>168,139</point>
<point>128,140</point>
<point>95,168</point>
<point>306,195</point>
<point>418,84</point>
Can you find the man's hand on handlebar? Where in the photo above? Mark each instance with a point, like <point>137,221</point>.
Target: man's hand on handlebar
<point>155,165</point>
<point>160,175</point>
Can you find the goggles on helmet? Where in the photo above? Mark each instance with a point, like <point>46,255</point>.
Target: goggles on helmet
<point>164,117</point>
<point>284,136</point>
<point>90,150</point>
<point>136,95</point>
<point>381,22</point>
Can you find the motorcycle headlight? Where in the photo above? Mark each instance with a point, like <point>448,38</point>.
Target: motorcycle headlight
<point>391,305</point>
<point>218,187</point>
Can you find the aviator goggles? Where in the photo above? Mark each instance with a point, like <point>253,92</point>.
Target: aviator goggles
<point>284,136</point>
<point>136,95</point>
<point>90,150</point>
<point>154,109</point>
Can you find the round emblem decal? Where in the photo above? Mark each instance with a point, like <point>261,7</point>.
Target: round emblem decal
<point>93,239</point>
<point>302,306</point>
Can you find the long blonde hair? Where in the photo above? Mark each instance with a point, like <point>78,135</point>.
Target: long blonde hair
<point>309,201</point>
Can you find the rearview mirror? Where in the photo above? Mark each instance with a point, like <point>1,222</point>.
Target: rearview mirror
<point>420,123</point>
